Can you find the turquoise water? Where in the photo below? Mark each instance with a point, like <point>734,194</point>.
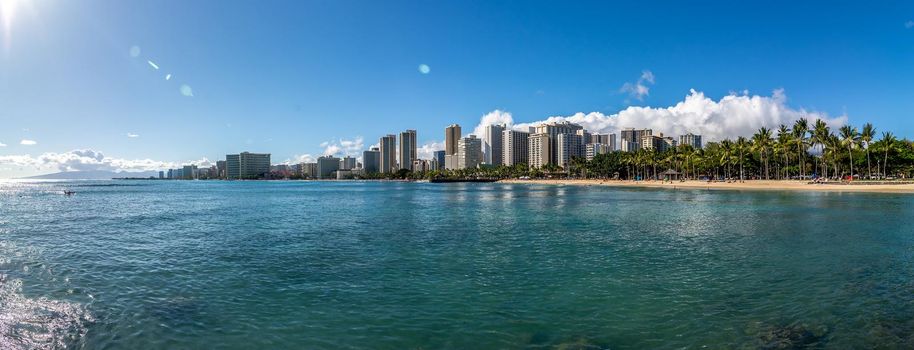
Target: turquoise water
<point>252,265</point>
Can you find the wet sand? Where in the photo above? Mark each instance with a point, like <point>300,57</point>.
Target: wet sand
<point>748,185</point>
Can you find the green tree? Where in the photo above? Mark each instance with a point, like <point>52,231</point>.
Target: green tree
<point>742,145</point>
<point>849,138</point>
<point>820,136</point>
<point>761,142</point>
<point>888,144</point>
<point>867,133</point>
<point>800,127</point>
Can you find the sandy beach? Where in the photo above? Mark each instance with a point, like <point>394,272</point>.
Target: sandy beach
<point>748,185</point>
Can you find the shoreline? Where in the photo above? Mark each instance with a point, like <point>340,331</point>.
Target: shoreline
<point>748,185</point>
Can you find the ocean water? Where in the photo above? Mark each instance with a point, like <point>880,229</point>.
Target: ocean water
<point>357,265</point>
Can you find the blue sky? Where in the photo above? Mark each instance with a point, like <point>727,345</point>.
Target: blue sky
<point>292,78</point>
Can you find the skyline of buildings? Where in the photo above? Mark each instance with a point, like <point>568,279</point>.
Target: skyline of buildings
<point>546,144</point>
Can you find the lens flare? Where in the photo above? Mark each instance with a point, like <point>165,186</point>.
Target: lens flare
<point>7,12</point>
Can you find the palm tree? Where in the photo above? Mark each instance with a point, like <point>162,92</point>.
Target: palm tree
<point>800,127</point>
<point>784,139</point>
<point>866,137</point>
<point>741,145</point>
<point>888,141</point>
<point>849,138</point>
<point>834,144</point>
<point>820,133</point>
<point>761,141</point>
<point>697,155</point>
<point>726,148</point>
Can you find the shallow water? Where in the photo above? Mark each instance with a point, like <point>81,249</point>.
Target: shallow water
<point>152,265</point>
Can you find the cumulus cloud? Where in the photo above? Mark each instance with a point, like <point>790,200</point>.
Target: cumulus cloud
<point>731,116</point>
<point>88,160</point>
<point>343,147</point>
<point>427,151</point>
<point>496,117</point>
<point>132,135</point>
<point>28,142</point>
<point>300,158</point>
<point>641,88</point>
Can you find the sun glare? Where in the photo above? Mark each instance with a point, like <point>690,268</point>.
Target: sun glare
<point>7,10</point>
<point>7,13</point>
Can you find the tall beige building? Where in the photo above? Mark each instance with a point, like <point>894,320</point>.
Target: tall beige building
<point>408,149</point>
<point>539,152</point>
<point>451,137</point>
<point>552,130</point>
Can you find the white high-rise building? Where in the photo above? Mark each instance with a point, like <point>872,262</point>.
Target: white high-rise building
<point>690,139</point>
<point>469,152</point>
<point>493,144</point>
<point>632,138</point>
<point>568,146</point>
<point>516,145</point>
<point>659,143</point>
<point>593,149</point>
<point>347,163</point>
<point>246,165</point>
<point>605,139</point>
<point>326,165</point>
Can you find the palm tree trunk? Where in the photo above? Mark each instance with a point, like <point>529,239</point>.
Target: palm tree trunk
<point>885,163</point>
<point>869,169</point>
<point>850,156</point>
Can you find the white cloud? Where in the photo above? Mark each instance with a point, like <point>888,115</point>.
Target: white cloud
<point>641,88</point>
<point>495,117</point>
<point>909,24</point>
<point>28,142</point>
<point>2,144</point>
<point>132,135</point>
<point>731,116</point>
<point>343,147</point>
<point>300,158</point>
<point>86,160</point>
<point>427,151</point>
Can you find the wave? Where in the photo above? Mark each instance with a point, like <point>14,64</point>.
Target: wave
<point>38,323</point>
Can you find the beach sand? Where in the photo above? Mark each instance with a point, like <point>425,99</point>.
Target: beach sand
<point>748,185</point>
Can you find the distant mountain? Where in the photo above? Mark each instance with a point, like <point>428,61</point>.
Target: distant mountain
<point>93,175</point>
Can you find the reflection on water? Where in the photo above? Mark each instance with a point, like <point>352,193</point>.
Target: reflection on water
<point>196,264</point>
<point>38,323</point>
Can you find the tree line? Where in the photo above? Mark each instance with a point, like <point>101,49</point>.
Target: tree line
<point>800,151</point>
